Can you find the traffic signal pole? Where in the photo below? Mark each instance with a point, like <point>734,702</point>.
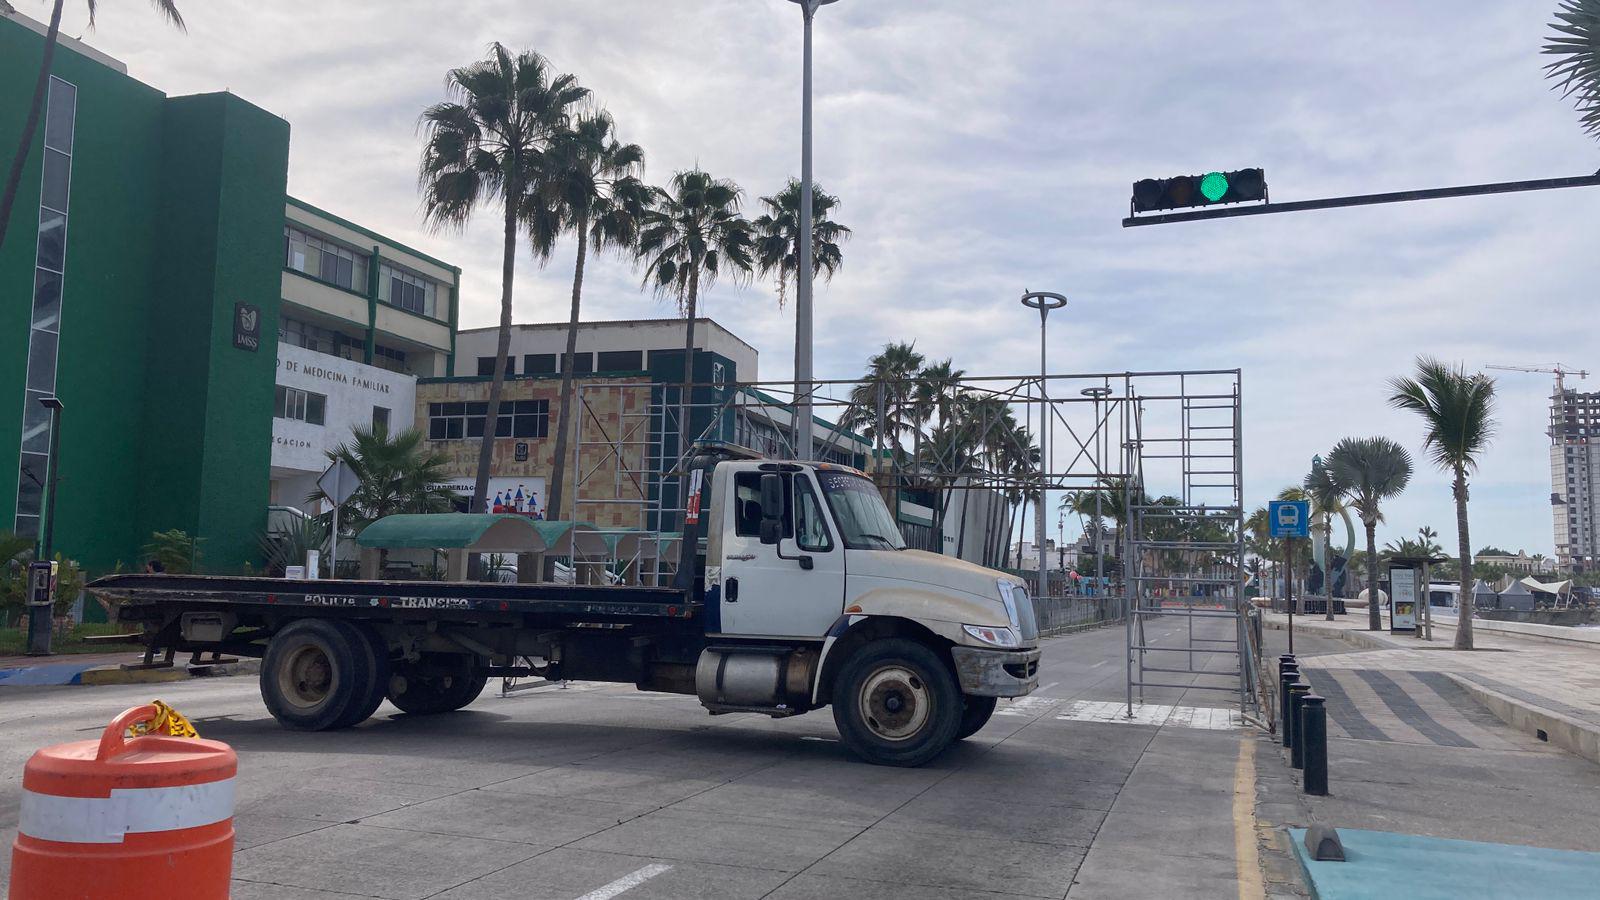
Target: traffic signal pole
<point>1468,190</point>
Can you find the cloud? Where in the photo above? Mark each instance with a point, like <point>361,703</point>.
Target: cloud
<point>981,149</point>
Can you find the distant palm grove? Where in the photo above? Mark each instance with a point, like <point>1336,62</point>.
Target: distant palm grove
<point>514,135</point>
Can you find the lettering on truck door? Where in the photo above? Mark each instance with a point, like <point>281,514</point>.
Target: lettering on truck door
<point>766,590</point>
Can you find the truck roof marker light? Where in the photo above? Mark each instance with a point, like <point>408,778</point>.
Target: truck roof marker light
<point>853,608</point>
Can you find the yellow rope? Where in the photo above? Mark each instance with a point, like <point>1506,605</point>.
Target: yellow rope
<point>167,721</point>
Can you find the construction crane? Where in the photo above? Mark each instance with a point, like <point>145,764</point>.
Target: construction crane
<point>1560,370</point>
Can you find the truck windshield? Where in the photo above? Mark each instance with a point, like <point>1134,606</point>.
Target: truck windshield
<point>864,522</point>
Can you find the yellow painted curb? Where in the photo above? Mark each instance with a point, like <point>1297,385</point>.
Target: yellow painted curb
<point>102,675</point>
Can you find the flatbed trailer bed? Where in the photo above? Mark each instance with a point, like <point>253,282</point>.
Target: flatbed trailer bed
<point>159,601</point>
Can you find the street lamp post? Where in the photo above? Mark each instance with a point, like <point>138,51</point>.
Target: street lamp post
<point>802,304</point>
<point>41,594</point>
<point>1043,301</point>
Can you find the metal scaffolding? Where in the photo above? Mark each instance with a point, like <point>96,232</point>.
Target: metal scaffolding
<point>1152,461</point>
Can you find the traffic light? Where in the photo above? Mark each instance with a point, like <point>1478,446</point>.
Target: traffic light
<point>1210,189</point>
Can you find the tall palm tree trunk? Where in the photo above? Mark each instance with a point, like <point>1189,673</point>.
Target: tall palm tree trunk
<point>30,125</point>
<point>480,487</point>
<point>685,435</point>
<point>1468,603</point>
<point>1374,615</point>
<point>564,419</point>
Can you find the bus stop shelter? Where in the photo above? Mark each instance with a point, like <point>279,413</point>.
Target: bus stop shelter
<point>457,535</point>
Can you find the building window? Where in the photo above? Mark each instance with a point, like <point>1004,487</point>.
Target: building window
<point>408,290</point>
<point>539,364</point>
<point>302,406</point>
<point>389,358</point>
<point>486,366</point>
<point>380,419</point>
<point>621,360</point>
<point>518,419</point>
<point>582,363</point>
<point>324,260</point>
<point>49,281</point>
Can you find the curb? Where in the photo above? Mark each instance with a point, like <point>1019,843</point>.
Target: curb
<point>1572,735</point>
<point>100,676</point>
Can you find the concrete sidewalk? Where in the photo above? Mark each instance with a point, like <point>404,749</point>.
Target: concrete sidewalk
<point>1543,688</point>
<point>105,668</point>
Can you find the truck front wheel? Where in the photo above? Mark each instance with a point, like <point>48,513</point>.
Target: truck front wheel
<point>434,684</point>
<point>317,675</point>
<point>896,703</point>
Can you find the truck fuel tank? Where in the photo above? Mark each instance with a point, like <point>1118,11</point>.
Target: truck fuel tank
<point>775,680</point>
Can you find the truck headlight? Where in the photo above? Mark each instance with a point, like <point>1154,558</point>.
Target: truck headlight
<point>993,636</point>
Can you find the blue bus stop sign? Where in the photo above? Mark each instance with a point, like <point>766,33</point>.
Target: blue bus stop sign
<point>1289,518</point>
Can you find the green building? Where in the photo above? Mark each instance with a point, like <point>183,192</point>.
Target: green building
<point>142,281</point>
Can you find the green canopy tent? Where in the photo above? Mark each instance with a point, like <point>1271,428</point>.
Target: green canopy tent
<point>457,535</point>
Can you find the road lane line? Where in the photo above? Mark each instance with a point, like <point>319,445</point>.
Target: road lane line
<point>626,883</point>
<point>1247,863</point>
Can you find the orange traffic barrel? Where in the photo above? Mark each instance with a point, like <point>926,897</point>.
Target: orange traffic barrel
<point>133,818</point>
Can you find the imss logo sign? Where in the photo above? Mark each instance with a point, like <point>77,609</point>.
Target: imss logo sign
<point>246,327</point>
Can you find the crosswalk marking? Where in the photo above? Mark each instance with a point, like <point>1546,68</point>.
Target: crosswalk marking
<point>1110,711</point>
<point>1028,707</point>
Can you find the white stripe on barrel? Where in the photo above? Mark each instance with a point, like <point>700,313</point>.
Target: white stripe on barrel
<point>106,820</point>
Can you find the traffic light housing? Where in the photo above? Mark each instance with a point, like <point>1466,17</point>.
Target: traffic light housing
<point>1210,189</point>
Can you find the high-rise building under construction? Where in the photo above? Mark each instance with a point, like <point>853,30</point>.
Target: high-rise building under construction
<point>1574,471</point>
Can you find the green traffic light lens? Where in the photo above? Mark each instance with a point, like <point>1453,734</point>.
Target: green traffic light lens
<point>1214,186</point>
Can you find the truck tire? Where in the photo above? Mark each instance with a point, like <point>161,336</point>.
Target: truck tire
<point>316,674</point>
<point>376,656</point>
<point>975,716</point>
<point>896,703</point>
<point>438,683</point>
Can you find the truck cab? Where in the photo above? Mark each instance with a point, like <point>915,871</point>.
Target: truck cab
<point>808,581</point>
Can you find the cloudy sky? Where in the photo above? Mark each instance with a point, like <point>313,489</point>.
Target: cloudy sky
<point>984,148</point>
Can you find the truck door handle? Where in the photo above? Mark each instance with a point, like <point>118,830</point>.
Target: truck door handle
<point>730,590</point>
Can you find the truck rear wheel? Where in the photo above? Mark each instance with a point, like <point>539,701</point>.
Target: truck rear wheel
<point>896,703</point>
<point>975,716</point>
<point>375,652</point>
<point>437,683</point>
<point>317,675</point>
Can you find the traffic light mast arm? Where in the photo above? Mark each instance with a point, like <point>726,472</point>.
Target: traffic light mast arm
<point>1468,190</point>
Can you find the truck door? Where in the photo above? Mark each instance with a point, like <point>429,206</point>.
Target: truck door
<point>794,588</point>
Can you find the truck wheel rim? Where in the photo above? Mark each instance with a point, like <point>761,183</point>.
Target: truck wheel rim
<point>306,677</point>
<point>894,703</point>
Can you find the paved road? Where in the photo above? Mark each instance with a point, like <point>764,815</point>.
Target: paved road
<point>598,791</point>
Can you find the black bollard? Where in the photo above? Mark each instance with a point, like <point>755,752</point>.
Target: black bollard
<point>1297,745</point>
<point>1291,674</point>
<point>1314,744</point>
<point>1286,659</point>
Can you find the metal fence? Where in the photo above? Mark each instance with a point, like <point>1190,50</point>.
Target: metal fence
<point>1064,615</point>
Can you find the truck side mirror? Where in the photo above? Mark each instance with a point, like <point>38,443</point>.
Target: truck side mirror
<point>771,508</point>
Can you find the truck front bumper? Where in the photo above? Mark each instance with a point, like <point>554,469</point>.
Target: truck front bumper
<point>996,673</point>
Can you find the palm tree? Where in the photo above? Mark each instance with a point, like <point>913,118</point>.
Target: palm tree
<point>693,233</point>
<point>395,474</point>
<point>30,125</point>
<point>487,143</point>
<point>590,183</point>
<point>1430,547</point>
<point>889,381</point>
<point>1326,495</point>
<point>1370,470</point>
<point>777,239</point>
<point>1457,414</point>
<point>1576,46</point>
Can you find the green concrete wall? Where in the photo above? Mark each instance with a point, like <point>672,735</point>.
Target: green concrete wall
<point>176,214</point>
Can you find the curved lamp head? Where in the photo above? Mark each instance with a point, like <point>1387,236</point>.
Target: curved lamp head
<point>1097,393</point>
<point>1042,300</point>
<point>810,6</point>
